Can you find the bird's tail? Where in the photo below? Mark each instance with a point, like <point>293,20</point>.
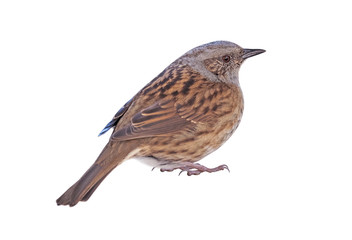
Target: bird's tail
<point>112,155</point>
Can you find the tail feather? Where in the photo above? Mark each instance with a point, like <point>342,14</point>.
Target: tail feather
<point>78,190</point>
<point>112,155</point>
<point>91,191</point>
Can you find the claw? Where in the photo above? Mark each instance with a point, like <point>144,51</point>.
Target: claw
<point>223,167</point>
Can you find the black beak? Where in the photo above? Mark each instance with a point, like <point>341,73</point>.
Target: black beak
<point>247,53</point>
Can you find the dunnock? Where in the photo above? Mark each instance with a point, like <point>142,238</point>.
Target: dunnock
<point>188,111</point>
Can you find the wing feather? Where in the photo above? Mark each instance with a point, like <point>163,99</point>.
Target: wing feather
<point>116,118</point>
<point>159,119</point>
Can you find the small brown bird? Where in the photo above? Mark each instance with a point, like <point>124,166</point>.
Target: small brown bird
<point>188,111</point>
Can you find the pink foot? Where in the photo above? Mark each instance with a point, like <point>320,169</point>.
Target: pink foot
<point>192,168</point>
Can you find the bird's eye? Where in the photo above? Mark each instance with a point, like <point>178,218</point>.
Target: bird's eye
<point>226,58</point>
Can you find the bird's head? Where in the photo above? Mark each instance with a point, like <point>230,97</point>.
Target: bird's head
<point>220,60</point>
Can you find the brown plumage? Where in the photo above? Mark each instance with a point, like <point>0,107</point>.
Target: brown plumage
<point>188,111</point>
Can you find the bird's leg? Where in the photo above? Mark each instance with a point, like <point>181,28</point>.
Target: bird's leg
<point>191,168</point>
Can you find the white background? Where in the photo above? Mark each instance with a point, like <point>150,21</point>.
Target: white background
<point>66,67</point>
